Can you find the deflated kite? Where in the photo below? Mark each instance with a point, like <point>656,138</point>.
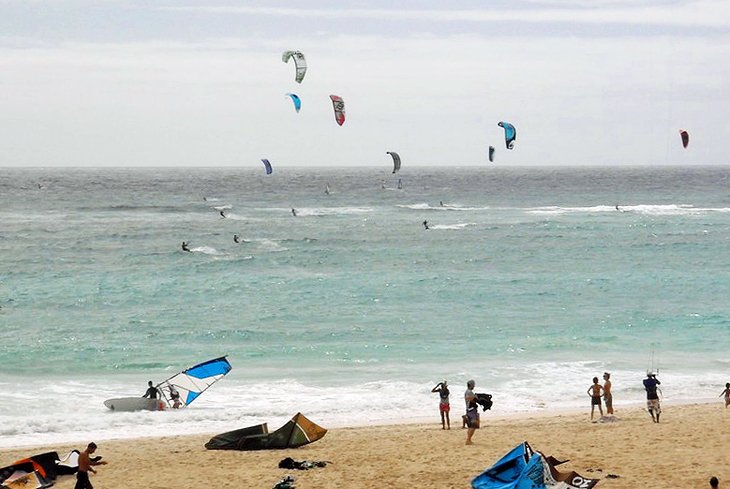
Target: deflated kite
<point>297,101</point>
<point>339,106</point>
<point>299,61</point>
<point>396,160</point>
<point>510,134</point>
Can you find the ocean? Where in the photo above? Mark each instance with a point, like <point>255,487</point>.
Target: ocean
<point>530,281</point>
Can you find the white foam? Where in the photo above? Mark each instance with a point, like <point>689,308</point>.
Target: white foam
<point>643,209</point>
<point>453,227</point>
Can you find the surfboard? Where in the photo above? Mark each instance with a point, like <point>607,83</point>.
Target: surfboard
<point>134,404</point>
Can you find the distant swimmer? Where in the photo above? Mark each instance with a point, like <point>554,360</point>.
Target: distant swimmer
<point>223,214</point>
<point>293,212</point>
<point>236,239</point>
<point>185,247</point>
<point>425,224</point>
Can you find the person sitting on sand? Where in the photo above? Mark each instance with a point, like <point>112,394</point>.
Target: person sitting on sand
<point>152,391</point>
<point>185,247</point>
<point>726,393</point>
<point>596,392</point>
<point>607,396</point>
<point>652,396</point>
<point>714,483</point>
<point>444,406</point>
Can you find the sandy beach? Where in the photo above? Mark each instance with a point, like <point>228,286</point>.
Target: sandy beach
<point>683,451</point>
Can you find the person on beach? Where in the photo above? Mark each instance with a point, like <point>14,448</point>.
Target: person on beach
<point>185,247</point>
<point>714,483</point>
<point>652,396</point>
<point>607,396</point>
<point>152,391</point>
<point>726,393</point>
<point>471,418</point>
<point>85,466</point>
<point>596,392</point>
<point>444,406</point>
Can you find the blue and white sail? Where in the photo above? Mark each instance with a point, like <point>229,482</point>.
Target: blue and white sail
<point>190,383</point>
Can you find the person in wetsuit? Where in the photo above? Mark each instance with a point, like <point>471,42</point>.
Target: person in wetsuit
<point>185,247</point>
<point>236,239</point>
<point>152,391</point>
<point>425,225</point>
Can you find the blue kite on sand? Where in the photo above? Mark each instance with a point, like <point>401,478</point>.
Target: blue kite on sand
<point>523,468</point>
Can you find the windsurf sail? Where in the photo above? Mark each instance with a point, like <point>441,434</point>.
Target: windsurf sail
<point>296,432</point>
<point>296,100</point>
<point>190,383</point>
<point>491,154</point>
<point>299,61</point>
<point>396,160</point>
<point>339,105</point>
<point>267,165</point>
<point>523,467</point>
<point>685,138</point>
<point>510,134</point>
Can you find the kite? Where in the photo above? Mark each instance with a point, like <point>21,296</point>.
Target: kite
<point>339,105</point>
<point>296,432</point>
<point>267,165</point>
<point>685,137</point>
<point>510,134</point>
<point>299,61</point>
<point>297,101</point>
<point>396,160</point>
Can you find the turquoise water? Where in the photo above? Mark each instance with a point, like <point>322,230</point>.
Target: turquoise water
<point>529,280</point>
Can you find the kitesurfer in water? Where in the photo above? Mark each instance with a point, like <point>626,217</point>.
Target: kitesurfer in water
<point>185,247</point>
<point>441,203</point>
<point>223,215</point>
<point>152,391</point>
<point>236,239</point>
<point>293,212</point>
<point>425,225</point>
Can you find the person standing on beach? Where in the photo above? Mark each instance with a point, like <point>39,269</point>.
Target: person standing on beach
<point>85,466</point>
<point>471,418</point>
<point>726,393</point>
<point>607,396</point>
<point>652,396</point>
<point>444,406</point>
<point>596,392</point>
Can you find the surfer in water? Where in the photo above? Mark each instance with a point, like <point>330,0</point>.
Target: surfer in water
<point>185,247</point>
<point>425,225</point>
<point>293,212</point>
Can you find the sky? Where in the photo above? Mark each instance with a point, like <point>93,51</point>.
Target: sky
<point>202,84</point>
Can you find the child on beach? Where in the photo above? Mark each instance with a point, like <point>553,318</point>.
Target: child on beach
<point>444,406</point>
<point>596,392</point>
<point>726,393</point>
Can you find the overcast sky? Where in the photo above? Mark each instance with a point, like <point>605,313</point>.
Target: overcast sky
<point>202,83</point>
